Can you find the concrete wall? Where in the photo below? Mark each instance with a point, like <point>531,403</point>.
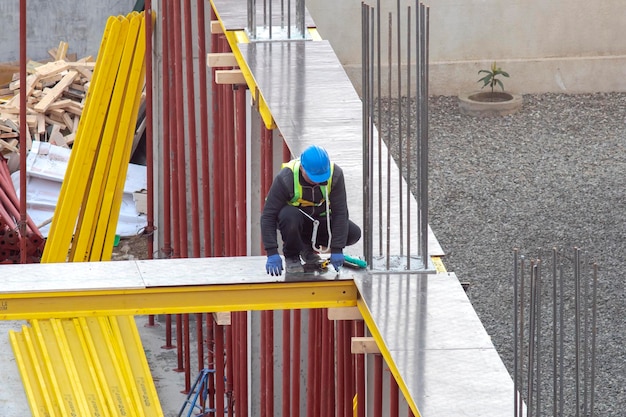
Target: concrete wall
<point>567,46</point>
<point>79,23</point>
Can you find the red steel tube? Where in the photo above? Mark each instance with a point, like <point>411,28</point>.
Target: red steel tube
<point>331,402</point>
<point>229,168</point>
<point>230,374</point>
<point>210,342</point>
<point>168,333</point>
<point>179,343</point>
<point>378,386</point>
<point>286,152</point>
<point>243,360</point>
<point>204,132</point>
<point>318,361</point>
<point>187,354</point>
<point>149,136</point>
<point>263,376</point>
<point>199,341</point>
<point>324,391</point>
<point>350,389</point>
<point>180,134</point>
<point>174,135</point>
<point>340,369</point>
<point>219,370</point>
<point>216,219</point>
<point>295,364</point>
<point>165,119</point>
<point>240,178</point>
<point>394,397</point>
<point>286,360</point>
<point>360,373</point>
<point>311,361</point>
<point>23,131</point>
<point>269,352</point>
<point>191,123</point>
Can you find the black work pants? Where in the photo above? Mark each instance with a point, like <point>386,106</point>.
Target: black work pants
<point>296,230</point>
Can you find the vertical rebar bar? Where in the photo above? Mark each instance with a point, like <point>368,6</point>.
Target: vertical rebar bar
<point>515,331</point>
<point>594,315</point>
<point>300,14</point>
<point>399,81</point>
<point>538,332</point>
<point>424,141</point>
<point>379,118</point>
<point>389,66</point>
<point>408,138</point>
<point>149,137</point>
<point>531,337</point>
<point>365,56</point>
<point>577,326</point>
<point>561,335</point>
<point>555,358</point>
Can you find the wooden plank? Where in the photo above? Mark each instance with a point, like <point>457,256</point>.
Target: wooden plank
<point>344,313</point>
<point>363,345</point>
<point>216,27</point>
<point>61,51</point>
<point>221,59</point>
<point>51,68</point>
<point>56,91</point>
<point>222,318</point>
<point>234,76</point>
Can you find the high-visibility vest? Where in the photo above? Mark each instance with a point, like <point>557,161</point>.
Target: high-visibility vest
<point>297,199</point>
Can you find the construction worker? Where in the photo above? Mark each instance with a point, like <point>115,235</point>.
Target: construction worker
<point>307,204</point>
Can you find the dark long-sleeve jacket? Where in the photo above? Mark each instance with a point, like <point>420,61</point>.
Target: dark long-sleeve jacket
<point>280,194</point>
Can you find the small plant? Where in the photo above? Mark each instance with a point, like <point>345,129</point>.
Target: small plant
<point>491,77</point>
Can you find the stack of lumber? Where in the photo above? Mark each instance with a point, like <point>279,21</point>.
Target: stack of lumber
<point>56,92</point>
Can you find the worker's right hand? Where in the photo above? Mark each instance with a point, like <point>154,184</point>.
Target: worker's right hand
<point>274,265</point>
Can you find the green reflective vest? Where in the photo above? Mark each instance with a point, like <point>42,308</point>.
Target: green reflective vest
<point>297,199</point>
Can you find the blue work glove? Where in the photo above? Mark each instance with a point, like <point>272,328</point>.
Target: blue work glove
<point>274,265</point>
<point>336,260</point>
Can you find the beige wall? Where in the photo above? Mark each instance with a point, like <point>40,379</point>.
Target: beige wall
<point>567,46</point>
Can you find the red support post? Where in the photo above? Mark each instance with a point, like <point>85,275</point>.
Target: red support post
<point>23,132</point>
<point>394,397</point>
<point>165,119</point>
<point>181,201</point>
<point>219,370</point>
<point>191,123</point>
<point>378,385</point>
<point>286,360</point>
<point>295,363</point>
<point>240,178</point>
<point>360,373</point>
<point>204,132</point>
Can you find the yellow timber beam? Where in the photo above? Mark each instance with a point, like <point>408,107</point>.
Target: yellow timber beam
<point>174,300</point>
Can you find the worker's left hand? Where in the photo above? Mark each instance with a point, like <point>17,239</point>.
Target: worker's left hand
<point>336,260</point>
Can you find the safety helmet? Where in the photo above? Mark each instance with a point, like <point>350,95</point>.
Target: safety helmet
<point>316,164</point>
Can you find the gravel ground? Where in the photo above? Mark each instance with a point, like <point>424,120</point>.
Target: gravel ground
<point>550,175</point>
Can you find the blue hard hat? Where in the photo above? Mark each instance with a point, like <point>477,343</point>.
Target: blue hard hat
<point>316,163</point>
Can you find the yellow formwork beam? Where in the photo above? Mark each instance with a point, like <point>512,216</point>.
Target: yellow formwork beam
<point>371,325</point>
<point>174,300</point>
<point>104,166</point>
<point>133,356</point>
<point>74,186</point>
<point>101,345</point>
<point>36,391</point>
<point>61,373</point>
<point>86,372</point>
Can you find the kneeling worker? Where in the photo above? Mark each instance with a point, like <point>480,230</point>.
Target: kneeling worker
<point>307,203</point>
